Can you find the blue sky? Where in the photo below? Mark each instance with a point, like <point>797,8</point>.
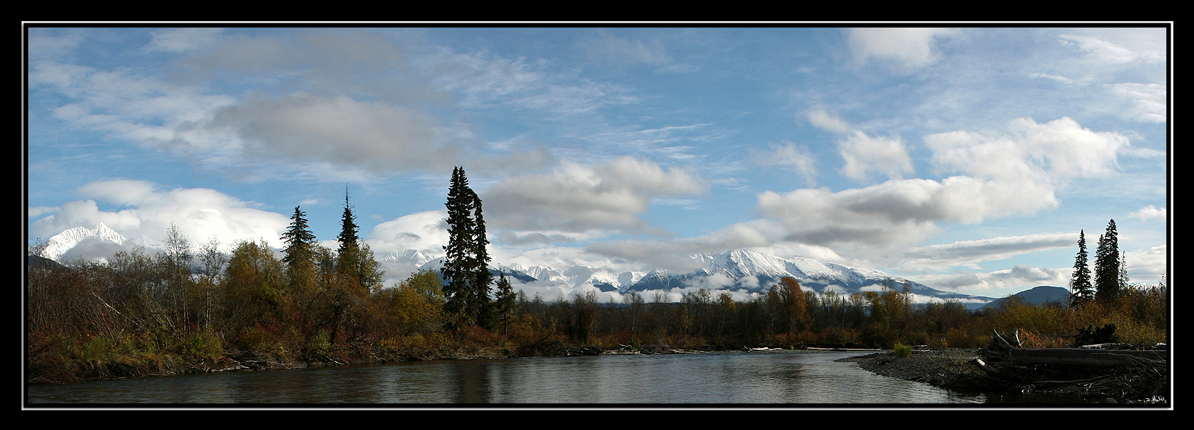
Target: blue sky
<point>964,158</point>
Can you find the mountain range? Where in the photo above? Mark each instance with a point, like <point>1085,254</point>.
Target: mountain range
<point>741,270</point>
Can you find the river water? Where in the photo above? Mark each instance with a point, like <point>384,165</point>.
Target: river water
<point>731,378</point>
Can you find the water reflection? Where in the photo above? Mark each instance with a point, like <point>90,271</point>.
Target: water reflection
<point>716,378</point>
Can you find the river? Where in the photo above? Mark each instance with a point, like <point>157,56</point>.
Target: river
<point>730,378</point>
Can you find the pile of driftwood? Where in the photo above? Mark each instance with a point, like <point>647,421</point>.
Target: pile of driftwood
<point>1104,371</point>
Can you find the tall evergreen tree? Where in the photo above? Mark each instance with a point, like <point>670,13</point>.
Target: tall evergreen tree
<point>355,260</point>
<point>1123,271</point>
<point>457,268</point>
<point>1107,266</point>
<point>466,265</point>
<point>506,304</point>
<point>348,231</point>
<point>481,279</point>
<point>1080,290</point>
<point>299,240</point>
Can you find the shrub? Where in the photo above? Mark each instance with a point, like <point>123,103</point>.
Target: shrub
<point>202,345</point>
<point>320,343</point>
<point>255,338</point>
<point>902,350</point>
<point>96,348</point>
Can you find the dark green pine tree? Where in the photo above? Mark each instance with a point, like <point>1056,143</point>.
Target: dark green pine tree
<point>348,231</point>
<point>506,304</point>
<point>1081,291</point>
<point>299,240</point>
<point>1107,266</point>
<point>457,268</point>
<point>354,259</point>
<point>481,303</point>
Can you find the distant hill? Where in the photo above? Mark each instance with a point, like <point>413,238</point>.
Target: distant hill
<point>1037,296</point>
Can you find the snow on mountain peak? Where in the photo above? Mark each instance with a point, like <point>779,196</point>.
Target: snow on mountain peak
<point>58,244</point>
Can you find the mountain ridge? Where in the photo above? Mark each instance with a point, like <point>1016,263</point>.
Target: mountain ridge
<point>740,270</point>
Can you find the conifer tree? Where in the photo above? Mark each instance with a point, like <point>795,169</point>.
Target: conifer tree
<point>1107,266</point>
<point>299,240</point>
<point>481,303</point>
<point>348,231</point>
<point>466,263</point>
<point>458,250</point>
<point>1123,271</point>
<point>354,258</point>
<point>506,304</point>
<point>1080,290</point>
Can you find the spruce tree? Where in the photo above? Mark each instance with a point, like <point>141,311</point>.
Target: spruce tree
<point>1080,289</point>
<point>299,240</point>
<point>506,304</point>
<point>466,264</point>
<point>481,277</point>
<point>458,252</point>
<point>348,231</point>
<point>1123,271</point>
<point>355,260</point>
<point>299,253</point>
<point>1107,266</point>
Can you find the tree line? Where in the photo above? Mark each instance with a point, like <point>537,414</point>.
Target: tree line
<point>315,304</point>
<point>1110,275</point>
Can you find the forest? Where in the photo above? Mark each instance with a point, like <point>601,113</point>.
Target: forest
<point>194,308</point>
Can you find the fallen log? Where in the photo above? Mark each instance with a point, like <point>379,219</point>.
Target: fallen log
<point>1082,357</point>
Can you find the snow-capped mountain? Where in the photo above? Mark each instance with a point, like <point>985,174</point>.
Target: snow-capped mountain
<point>733,270</point>
<point>410,256</point>
<point>739,270</point>
<point>754,271</point>
<point>572,277</point>
<point>58,245</point>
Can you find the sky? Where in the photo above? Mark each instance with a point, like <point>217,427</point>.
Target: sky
<point>967,159</point>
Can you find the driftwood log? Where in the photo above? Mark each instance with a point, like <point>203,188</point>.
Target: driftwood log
<point>1112,370</point>
<point>1083,357</point>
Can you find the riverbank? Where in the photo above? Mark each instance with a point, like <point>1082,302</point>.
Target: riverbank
<point>124,366</point>
<point>952,369</point>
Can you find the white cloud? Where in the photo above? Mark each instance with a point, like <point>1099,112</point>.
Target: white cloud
<point>1069,149</point>
<point>576,198</point>
<point>337,131</point>
<point>426,232</point>
<point>970,253</point>
<point>796,158</point>
<point>865,154</point>
<point>1149,212</point>
<point>999,283</point>
<point>827,121</point>
<point>183,39</point>
<point>1145,102</point>
<point>36,211</point>
<point>1148,266</point>
<point>1016,174</point>
<point>1106,52</point>
<point>483,80</point>
<point>1041,152</point>
<point>906,48</point>
<point>199,213</point>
